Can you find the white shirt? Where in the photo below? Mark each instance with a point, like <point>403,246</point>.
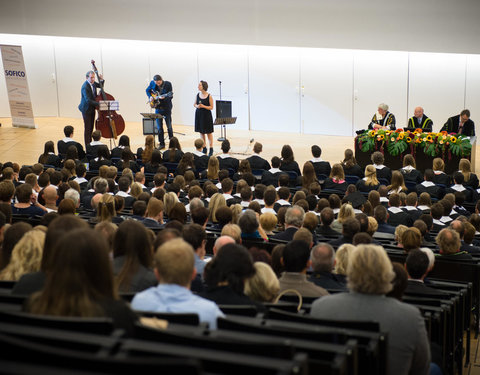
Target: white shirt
<point>271,210</point>
<point>274,170</point>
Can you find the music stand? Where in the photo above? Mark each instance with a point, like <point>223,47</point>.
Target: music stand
<point>223,130</point>
<point>149,124</point>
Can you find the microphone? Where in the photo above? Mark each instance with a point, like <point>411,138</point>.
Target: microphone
<point>251,141</point>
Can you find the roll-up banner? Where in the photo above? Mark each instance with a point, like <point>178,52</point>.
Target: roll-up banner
<point>17,86</point>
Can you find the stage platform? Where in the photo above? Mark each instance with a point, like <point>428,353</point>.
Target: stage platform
<point>25,145</point>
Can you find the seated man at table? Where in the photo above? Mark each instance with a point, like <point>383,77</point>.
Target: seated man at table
<point>382,119</point>
<point>460,124</point>
<point>420,120</point>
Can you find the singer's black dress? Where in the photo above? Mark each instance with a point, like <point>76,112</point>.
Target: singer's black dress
<point>203,117</point>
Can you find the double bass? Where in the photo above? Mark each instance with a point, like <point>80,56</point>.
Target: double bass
<point>109,122</point>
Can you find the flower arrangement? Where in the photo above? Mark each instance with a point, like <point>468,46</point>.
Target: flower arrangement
<point>398,141</point>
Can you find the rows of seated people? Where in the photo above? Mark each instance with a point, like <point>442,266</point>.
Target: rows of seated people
<point>316,236</point>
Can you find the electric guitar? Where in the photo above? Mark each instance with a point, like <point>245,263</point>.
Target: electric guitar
<point>156,97</point>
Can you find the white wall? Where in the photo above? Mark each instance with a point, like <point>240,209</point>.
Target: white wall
<point>280,89</point>
<point>408,25</point>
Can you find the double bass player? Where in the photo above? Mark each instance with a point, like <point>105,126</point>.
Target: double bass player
<point>88,104</point>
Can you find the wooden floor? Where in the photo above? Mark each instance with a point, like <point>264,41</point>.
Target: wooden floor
<point>25,145</point>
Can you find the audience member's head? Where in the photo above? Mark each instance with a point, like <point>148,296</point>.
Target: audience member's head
<point>296,256</point>
<point>263,286</point>
<point>448,241</point>
<point>323,258</point>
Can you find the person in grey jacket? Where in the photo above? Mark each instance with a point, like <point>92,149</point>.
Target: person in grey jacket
<point>369,276</point>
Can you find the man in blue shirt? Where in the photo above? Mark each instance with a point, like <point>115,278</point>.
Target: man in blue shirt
<point>174,269</point>
<point>164,92</point>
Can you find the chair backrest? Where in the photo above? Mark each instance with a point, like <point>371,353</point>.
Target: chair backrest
<point>243,310</point>
<point>92,325</point>
<point>180,318</point>
<point>351,179</point>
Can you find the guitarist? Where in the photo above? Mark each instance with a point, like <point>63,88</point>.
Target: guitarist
<point>161,93</point>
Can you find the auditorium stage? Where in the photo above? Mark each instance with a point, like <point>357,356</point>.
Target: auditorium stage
<point>25,145</point>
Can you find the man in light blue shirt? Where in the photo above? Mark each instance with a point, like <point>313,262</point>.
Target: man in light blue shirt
<point>174,269</point>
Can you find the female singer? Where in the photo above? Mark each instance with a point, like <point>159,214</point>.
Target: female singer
<point>203,115</point>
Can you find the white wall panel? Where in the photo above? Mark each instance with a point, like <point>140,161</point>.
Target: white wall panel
<point>380,77</point>
<point>228,64</point>
<point>126,71</point>
<point>177,63</point>
<point>73,56</point>
<point>326,91</point>
<point>274,89</point>
<point>472,92</point>
<point>437,83</point>
<point>40,67</point>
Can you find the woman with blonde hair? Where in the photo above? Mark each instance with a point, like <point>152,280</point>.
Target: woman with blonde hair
<point>397,185</point>
<point>211,173</point>
<point>369,182</point>
<point>336,181</point>
<point>399,230</point>
<point>370,275</point>
<point>409,170</point>
<point>268,221</point>
<point>26,256</point>
<point>136,189</point>
<point>169,200</point>
<point>106,208</point>
<point>342,256</point>
<point>264,285</point>
<point>470,178</point>
<point>440,177</point>
<point>216,201</point>
<point>346,212</point>
<point>236,212</point>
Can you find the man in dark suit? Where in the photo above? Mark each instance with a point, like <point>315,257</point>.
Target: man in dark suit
<point>164,92</point>
<point>417,265</point>
<point>323,262</point>
<point>460,124</point>
<point>321,166</point>
<point>324,229</point>
<point>350,228</point>
<point>420,120</point>
<point>65,143</point>
<point>88,104</point>
<point>293,220</point>
<point>458,186</point>
<point>256,161</point>
<point>381,215</point>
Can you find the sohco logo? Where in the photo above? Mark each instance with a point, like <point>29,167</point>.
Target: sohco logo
<point>14,73</point>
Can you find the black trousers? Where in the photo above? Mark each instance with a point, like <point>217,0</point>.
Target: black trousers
<point>88,121</point>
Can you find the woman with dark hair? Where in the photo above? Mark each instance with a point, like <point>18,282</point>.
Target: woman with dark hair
<point>33,282</point>
<point>133,258</point>
<point>187,163</point>
<point>350,166</point>
<point>123,142</point>
<point>409,171</point>
<point>127,160</point>
<point>154,163</point>
<point>72,153</point>
<point>243,168</point>
<point>225,276</point>
<point>80,283</point>
<point>48,157</point>
<point>308,176</point>
<point>174,153</point>
<point>288,160</point>
<point>103,158</point>
<point>203,115</point>
<point>178,212</point>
